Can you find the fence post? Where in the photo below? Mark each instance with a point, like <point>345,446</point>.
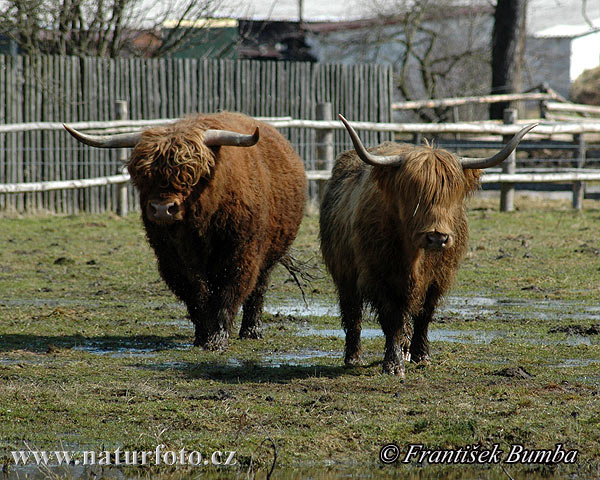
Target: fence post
<point>324,143</point>
<point>507,190</point>
<point>122,207</point>
<point>579,187</point>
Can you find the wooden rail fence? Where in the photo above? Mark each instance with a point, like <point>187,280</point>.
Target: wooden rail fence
<point>326,151</point>
<point>38,92</point>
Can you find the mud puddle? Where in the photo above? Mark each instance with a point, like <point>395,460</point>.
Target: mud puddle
<point>464,307</point>
<point>117,352</point>
<point>457,336</point>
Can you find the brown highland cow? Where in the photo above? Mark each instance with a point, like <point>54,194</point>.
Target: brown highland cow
<point>220,209</point>
<point>393,234</point>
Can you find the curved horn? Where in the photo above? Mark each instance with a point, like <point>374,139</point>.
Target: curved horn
<point>217,138</point>
<point>501,155</point>
<point>121,140</point>
<point>369,158</point>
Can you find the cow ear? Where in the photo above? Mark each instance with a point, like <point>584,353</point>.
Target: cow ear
<point>472,183</point>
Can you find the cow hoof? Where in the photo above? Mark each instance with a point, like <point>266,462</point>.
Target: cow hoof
<point>353,361</point>
<point>215,342</point>
<point>396,369</point>
<point>254,333</point>
<point>422,359</point>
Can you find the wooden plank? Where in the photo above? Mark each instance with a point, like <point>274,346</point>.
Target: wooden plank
<point>170,88</point>
<point>3,156</point>
<point>484,99</point>
<point>38,151</point>
<point>11,160</point>
<point>483,128</point>
<point>19,137</point>
<point>572,107</point>
<point>63,185</point>
<point>28,164</point>
<point>49,137</point>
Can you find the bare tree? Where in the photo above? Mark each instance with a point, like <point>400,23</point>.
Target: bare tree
<point>437,47</point>
<point>106,28</point>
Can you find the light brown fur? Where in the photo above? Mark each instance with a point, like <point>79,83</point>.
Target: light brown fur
<point>374,221</point>
<point>175,154</point>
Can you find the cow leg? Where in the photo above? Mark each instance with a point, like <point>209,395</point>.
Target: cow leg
<point>419,346</point>
<point>351,312</point>
<point>227,285</point>
<point>397,337</point>
<point>213,319</point>
<point>395,348</point>
<point>192,294</point>
<point>253,308</point>
<point>214,334</point>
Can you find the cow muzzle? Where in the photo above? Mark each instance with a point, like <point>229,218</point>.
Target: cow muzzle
<point>164,212</point>
<point>437,240</point>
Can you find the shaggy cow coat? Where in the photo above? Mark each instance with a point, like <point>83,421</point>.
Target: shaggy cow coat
<point>374,225</point>
<point>235,212</point>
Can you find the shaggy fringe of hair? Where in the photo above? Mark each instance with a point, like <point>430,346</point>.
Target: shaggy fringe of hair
<point>174,153</point>
<point>428,175</point>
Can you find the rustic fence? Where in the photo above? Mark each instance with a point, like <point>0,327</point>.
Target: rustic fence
<point>42,168</point>
<point>37,91</point>
<point>475,108</point>
<point>494,134</point>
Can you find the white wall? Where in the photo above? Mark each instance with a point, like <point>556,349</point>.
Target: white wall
<point>585,54</point>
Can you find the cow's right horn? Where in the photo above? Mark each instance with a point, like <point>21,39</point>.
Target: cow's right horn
<point>121,140</point>
<point>499,157</point>
<point>218,138</point>
<point>365,156</point>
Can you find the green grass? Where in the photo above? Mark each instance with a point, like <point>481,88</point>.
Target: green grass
<point>95,354</point>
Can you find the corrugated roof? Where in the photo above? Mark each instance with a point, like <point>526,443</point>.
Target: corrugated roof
<point>569,31</point>
<point>313,10</point>
<point>546,14</point>
<point>568,17</point>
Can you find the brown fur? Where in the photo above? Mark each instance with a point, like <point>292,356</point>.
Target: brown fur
<point>175,155</point>
<point>374,222</point>
<point>238,211</point>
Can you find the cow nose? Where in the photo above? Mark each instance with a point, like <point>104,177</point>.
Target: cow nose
<point>164,212</point>
<point>436,240</point>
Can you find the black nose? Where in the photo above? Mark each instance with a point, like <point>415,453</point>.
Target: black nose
<point>436,240</point>
<point>163,211</point>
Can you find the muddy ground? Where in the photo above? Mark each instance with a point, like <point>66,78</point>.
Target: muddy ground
<point>96,354</point>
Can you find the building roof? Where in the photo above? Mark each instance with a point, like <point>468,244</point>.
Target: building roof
<point>312,10</point>
<point>541,14</point>
<point>546,14</point>
<point>569,31</point>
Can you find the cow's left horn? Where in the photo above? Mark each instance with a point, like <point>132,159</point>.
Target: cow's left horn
<point>501,155</point>
<point>369,158</point>
<point>121,140</point>
<point>217,138</point>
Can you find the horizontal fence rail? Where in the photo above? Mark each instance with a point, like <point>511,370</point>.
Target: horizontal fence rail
<point>574,175</point>
<point>64,185</point>
<point>561,177</point>
<point>38,94</point>
<point>483,99</point>
<point>480,128</point>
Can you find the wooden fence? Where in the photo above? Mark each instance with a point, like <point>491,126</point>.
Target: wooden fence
<point>494,135</point>
<point>38,90</point>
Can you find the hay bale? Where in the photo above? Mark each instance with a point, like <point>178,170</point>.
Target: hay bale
<point>586,88</point>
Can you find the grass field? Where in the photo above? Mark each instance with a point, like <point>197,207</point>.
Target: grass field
<point>96,354</point>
